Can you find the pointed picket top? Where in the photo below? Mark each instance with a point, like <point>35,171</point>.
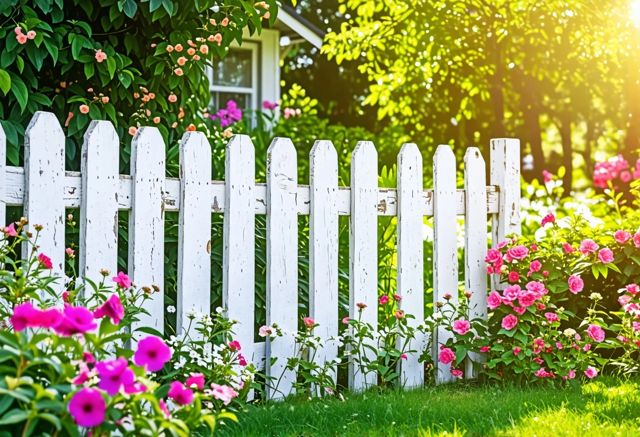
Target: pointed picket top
<point>282,262</point>
<point>445,254</point>
<point>99,200</point>
<point>238,273</point>
<point>411,256</point>
<point>44,146</point>
<point>363,249</point>
<point>194,230</point>
<point>475,185</point>
<point>323,249</point>
<point>146,221</point>
<point>3,166</point>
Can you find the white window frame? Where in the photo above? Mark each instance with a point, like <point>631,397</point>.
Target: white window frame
<point>253,91</point>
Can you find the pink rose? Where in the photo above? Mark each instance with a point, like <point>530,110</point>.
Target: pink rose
<point>567,248</point>
<point>596,333</point>
<point>517,253</point>
<point>633,289</point>
<point>588,246</point>
<point>535,266</point>
<point>621,236</point>
<point>511,293</point>
<point>551,317</point>
<point>605,255</point>
<point>537,288</point>
<point>514,277</point>
<point>527,299</point>
<point>494,300</point>
<point>636,239</point>
<point>576,284</point>
<point>461,326</point>
<point>446,355</point>
<point>384,299</point>
<point>591,372</point>
<point>516,351</point>
<point>308,322</point>
<point>509,322</point>
<point>457,373</point>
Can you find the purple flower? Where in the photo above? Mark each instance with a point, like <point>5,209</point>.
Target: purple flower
<point>229,115</point>
<point>180,394</point>
<point>112,308</point>
<point>114,374</point>
<point>152,353</point>
<point>75,320</point>
<point>87,407</point>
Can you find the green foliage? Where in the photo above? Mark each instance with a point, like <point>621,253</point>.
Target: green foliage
<point>117,60</point>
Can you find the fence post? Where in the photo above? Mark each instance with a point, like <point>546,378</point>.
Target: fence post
<point>44,172</point>
<point>323,249</point>
<point>3,182</point>
<point>194,230</point>
<point>363,250</point>
<point>475,245</point>
<point>99,201</point>
<point>410,257</point>
<point>282,263</point>
<point>146,221</point>
<point>445,252</point>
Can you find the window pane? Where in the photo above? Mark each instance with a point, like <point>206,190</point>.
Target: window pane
<point>219,100</point>
<point>234,69</point>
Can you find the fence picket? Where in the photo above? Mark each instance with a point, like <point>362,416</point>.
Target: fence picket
<point>99,203</point>
<point>238,275</point>
<point>44,187</point>
<point>410,256</point>
<point>323,248</point>
<point>475,246</point>
<point>282,262</point>
<point>194,230</point>
<point>363,248</point>
<point>445,255</point>
<point>3,181</point>
<point>146,221</point>
<point>505,174</point>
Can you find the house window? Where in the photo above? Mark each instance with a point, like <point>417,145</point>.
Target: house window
<point>235,77</point>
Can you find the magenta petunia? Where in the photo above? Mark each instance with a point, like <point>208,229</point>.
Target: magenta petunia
<point>111,308</point>
<point>196,379</point>
<point>180,394</point>
<point>152,353</point>
<point>26,315</point>
<point>75,320</point>
<point>87,407</point>
<point>122,280</point>
<point>114,374</point>
<point>45,261</point>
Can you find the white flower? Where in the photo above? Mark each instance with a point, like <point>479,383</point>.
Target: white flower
<point>219,310</point>
<point>171,309</point>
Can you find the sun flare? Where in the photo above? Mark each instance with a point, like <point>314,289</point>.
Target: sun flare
<point>634,12</point>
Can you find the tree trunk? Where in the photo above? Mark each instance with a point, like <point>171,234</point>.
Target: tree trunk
<point>567,152</point>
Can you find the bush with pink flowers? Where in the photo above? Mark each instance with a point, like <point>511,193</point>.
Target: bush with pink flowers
<point>73,361</point>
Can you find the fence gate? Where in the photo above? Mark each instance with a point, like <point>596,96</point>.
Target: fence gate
<point>45,189</point>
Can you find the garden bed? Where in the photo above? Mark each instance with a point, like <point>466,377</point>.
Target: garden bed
<point>605,407</point>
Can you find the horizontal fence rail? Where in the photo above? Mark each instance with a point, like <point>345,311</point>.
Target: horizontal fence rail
<point>45,189</point>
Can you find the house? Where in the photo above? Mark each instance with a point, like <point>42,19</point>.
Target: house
<point>250,73</point>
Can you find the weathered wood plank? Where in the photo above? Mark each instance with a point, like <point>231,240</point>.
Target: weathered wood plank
<point>282,263</point>
<point>363,249</point>
<point>44,187</point>
<point>410,257</point>
<point>194,229</point>
<point>475,247</point>
<point>323,248</point>
<point>238,274</point>
<point>445,254</point>
<point>99,204</point>
<point>386,205</point>
<point>146,221</point>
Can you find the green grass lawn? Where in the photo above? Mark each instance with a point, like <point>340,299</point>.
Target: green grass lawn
<point>605,407</point>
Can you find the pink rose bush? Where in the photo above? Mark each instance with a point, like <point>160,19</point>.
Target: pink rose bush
<point>87,376</point>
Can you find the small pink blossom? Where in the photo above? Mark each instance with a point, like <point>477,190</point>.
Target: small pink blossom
<point>591,372</point>
<point>633,289</point>
<point>195,379</point>
<point>596,333</point>
<point>265,331</point>
<point>513,277</point>
<point>403,356</point>
<point>516,351</point>
<point>112,308</point>
<point>10,231</point>
<point>547,176</point>
<point>636,239</point>
<point>551,317</point>
<point>180,394</point>
<point>457,373</point>
<point>494,300</point>
<point>549,218</point>
<point>345,320</point>
<point>605,255</point>
<point>100,56</point>
<point>485,349</point>
<point>509,322</point>
<point>621,236</point>
<point>122,280</point>
<point>308,322</point>
<point>383,300</point>
<point>567,248</point>
<point>461,326</point>
<point>517,253</point>
<point>446,355</point>
<point>576,284</point>
<point>234,345</point>
<point>223,393</point>
<point>45,261</point>
<point>588,246</point>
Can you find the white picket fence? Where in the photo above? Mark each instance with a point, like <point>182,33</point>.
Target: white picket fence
<point>45,189</point>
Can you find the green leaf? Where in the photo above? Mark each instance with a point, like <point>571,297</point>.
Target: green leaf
<point>89,70</point>
<point>154,4</point>
<point>14,416</point>
<point>19,90</point>
<point>168,6</point>
<point>5,82</point>
<point>111,67</point>
<point>76,45</point>
<point>129,7</point>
